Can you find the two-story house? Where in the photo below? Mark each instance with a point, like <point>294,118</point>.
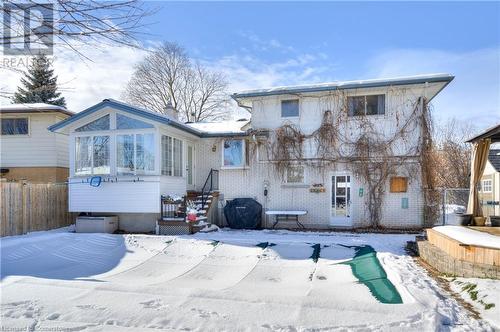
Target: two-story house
<point>489,193</point>
<point>351,154</point>
<point>28,150</point>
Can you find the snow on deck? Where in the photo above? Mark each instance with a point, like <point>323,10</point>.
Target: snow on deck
<point>469,236</point>
<point>228,280</point>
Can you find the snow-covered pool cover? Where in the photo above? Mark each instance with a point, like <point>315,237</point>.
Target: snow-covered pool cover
<point>469,236</point>
<point>223,281</point>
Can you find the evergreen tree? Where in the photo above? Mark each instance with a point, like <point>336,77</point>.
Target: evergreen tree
<point>39,84</point>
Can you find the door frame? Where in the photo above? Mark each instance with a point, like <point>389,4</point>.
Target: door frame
<point>334,220</point>
<point>191,186</point>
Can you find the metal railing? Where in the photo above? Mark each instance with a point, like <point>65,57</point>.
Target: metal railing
<point>172,210</point>
<point>211,184</point>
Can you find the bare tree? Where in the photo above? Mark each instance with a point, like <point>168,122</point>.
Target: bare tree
<point>167,75</point>
<point>71,21</point>
<point>451,154</point>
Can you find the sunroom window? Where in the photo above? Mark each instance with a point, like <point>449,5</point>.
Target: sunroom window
<point>125,122</point>
<point>233,153</point>
<point>92,155</point>
<point>135,154</point>
<point>171,151</point>
<point>99,124</point>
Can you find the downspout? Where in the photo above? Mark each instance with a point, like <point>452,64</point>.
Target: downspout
<point>248,108</point>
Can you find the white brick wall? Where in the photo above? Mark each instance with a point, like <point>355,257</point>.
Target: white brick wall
<point>249,182</point>
<point>400,103</point>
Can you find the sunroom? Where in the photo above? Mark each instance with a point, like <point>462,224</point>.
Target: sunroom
<point>123,158</point>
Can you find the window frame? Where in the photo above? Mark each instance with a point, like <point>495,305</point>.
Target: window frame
<point>14,118</point>
<point>243,152</point>
<point>365,104</point>
<point>490,185</point>
<point>113,133</point>
<point>288,100</point>
<point>285,179</point>
<point>92,173</point>
<point>394,186</point>
<point>135,172</point>
<point>172,156</point>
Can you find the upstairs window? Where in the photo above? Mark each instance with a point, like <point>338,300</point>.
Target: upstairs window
<point>233,153</point>
<point>290,108</point>
<point>15,126</point>
<point>125,122</point>
<point>99,124</point>
<point>366,105</point>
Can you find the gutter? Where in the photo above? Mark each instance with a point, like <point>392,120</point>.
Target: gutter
<point>357,85</point>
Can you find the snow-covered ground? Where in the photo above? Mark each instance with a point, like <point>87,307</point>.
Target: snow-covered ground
<point>219,281</point>
<point>483,294</point>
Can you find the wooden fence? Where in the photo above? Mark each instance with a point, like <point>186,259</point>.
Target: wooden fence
<point>27,207</point>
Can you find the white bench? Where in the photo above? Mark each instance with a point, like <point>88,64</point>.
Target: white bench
<point>284,215</point>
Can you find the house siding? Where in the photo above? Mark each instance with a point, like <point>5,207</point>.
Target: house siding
<point>249,182</point>
<point>41,148</point>
<point>114,197</point>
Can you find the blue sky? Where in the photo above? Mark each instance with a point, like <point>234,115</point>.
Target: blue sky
<point>260,44</point>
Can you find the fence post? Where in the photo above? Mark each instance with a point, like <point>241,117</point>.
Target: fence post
<point>444,206</point>
<point>26,208</point>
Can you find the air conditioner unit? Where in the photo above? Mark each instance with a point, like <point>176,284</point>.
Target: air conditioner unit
<point>102,224</point>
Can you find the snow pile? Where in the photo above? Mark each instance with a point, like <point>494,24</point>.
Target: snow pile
<point>483,294</point>
<point>226,280</point>
<point>469,236</point>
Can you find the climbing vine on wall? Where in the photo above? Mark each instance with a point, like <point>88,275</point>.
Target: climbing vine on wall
<point>374,148</point>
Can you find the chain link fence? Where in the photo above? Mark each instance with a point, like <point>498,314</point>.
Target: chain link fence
<point>453,204</point>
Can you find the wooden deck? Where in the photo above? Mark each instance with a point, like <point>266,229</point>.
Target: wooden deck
<point>489,230</point>
<point>469,253</point>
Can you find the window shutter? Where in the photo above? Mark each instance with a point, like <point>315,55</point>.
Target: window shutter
<point>399,184</point>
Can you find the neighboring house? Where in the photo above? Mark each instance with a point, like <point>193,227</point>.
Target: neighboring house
<point>141,154</point>
<point>29,151</point>
<point>489,193</point>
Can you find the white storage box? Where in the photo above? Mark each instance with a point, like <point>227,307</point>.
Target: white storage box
<point>96,224</point>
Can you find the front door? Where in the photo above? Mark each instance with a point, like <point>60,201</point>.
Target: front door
<point>190,167</point>
<point>341,200</point>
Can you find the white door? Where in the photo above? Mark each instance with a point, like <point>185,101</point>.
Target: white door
<point>341,200</point>
<point>190,167</point>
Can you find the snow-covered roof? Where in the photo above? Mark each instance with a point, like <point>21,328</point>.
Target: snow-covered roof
<point>209,129</point>
<point>222,127</point>
<point>33,108</point>
<point>494,158</point>
<point>370,83</point>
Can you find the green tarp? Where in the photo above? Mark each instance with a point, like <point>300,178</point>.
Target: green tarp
<point>367,269</point>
